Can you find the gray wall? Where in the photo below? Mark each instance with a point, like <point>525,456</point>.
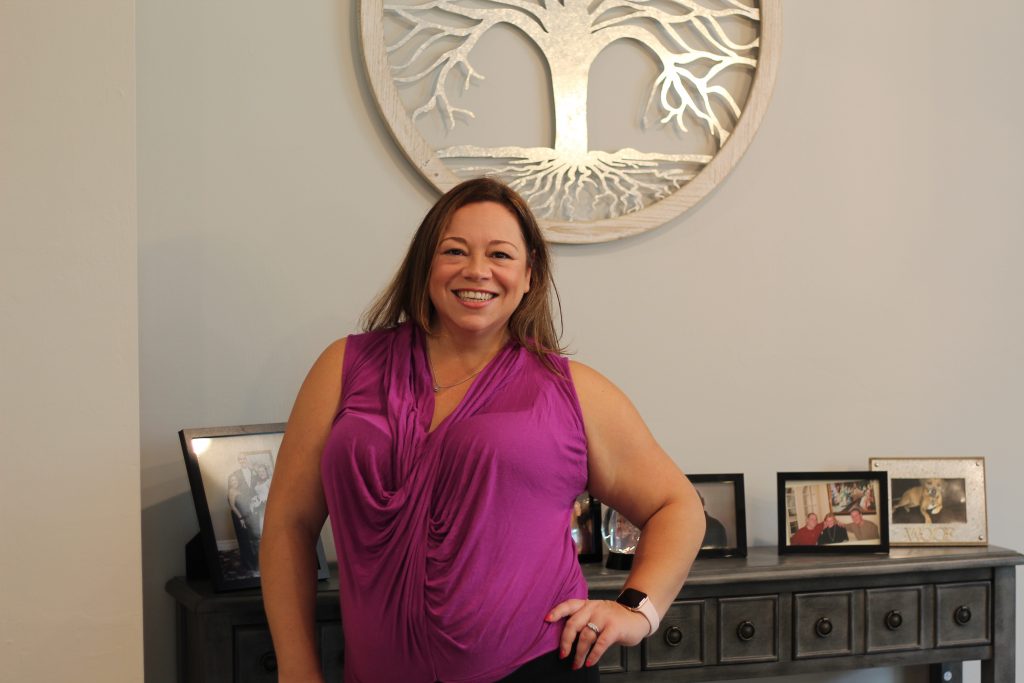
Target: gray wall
<point>851,290</point>
<point>70,569</point>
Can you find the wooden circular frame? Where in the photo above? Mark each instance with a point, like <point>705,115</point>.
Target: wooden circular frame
<point>424,157</point>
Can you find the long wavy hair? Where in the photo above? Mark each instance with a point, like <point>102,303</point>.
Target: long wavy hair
<point>408,297</point>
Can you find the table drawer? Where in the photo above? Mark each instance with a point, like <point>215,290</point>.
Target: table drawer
<point>895,619</point>
<point>613,661</point>
<point>748,629</point>
<point>962,613</point>
<point>679,640</point>
<point>332,650</point>
<point>255,661</point>
<point>822,624</point>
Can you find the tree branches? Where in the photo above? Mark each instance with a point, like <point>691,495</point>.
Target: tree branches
<point>431,23</point>
<point>694,45</point>
<point>678,89</point>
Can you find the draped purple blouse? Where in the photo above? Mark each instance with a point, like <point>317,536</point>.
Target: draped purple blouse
<point>453,545</point>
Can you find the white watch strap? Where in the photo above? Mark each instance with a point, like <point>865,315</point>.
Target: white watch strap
<point>646,608</point>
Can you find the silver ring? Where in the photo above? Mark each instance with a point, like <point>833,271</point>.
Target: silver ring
<point>593,627</point>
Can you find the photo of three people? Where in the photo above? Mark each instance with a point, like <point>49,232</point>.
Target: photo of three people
<point>837,512</point>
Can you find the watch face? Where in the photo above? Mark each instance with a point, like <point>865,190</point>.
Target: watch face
<point>631,598</point>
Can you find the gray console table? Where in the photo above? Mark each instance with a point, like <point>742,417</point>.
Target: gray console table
<point>761,616</point>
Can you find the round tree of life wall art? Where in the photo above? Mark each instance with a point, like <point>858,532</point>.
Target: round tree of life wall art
<point>698,77</point>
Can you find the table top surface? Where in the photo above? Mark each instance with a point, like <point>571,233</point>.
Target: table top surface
<point>766,564</point>
<point>761,564</point>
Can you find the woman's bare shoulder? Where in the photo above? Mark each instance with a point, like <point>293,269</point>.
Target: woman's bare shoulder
<point>592,386</point>
<point>331,359</point>
<point>335,351</point>
<point>321,389</point>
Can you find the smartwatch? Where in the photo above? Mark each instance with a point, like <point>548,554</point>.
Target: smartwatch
<point>637,601</point>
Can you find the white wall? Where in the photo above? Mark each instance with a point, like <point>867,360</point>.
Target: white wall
<point>852,290</point>
<point>70,569</point>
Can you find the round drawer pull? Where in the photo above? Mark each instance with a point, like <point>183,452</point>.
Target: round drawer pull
<point>962,615</point>
<point>673,636</point>
<point>746,630</point>
<point>893,620</point>
<point>268,660</point>
<point>823,627</point>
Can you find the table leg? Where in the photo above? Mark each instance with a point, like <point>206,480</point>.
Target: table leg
<point>1002,667</point>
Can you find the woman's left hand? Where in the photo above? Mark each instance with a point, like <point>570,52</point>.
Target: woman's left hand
<point>614,623</point>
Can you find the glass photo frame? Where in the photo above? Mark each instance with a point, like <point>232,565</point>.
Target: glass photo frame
<point>229,472</point>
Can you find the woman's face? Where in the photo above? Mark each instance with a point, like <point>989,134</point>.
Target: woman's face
<point>479,272</point>
<point>233,481</point>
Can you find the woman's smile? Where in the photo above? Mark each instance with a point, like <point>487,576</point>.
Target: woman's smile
<point>474,296</point>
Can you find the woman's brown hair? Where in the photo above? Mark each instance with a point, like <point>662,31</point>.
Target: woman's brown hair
<point>408,298</point>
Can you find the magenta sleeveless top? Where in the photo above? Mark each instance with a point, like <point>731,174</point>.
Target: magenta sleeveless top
<point>452,545</point>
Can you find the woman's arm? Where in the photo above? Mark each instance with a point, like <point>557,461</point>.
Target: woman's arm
<point>232,497</point>
<point>631,473</point>
<point>295,514</point>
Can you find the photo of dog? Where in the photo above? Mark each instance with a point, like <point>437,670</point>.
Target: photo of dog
<point>929,500</point>
<point>927,497</point>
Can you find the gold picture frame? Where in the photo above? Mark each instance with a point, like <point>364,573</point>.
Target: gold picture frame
<point>935,501</point>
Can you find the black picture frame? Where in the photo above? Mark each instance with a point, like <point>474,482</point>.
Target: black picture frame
<point>585,526</point>
<point>230,522</point>
<point>725,510</point>
<point>838,494</point>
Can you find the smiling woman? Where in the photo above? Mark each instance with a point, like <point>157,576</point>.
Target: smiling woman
<point>479,275</point>
<point>448,444</point>
<point>409,296</point>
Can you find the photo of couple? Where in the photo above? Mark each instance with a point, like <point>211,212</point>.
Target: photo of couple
<point>236,472</point>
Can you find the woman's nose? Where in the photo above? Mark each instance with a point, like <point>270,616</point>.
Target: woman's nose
<point>477,267</point>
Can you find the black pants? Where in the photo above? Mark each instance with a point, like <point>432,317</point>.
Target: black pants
<point>550,669</point>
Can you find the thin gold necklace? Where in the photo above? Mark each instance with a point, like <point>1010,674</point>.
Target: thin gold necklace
<point>439,387</point>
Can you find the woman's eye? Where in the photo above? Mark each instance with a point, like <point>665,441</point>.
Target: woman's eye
<point>500,254</point>
<point>453,251</point>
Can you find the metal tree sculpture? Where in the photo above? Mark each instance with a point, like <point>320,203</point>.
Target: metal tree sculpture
<point>569,180</point>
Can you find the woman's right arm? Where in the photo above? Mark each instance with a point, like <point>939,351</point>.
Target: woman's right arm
<point>232,497</point>
<point>295,514</point>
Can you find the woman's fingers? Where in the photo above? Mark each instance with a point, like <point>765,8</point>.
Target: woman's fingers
<point>576,612</point>
<point>565,609</point>
<point>594,626</point>
<point>605,640</point>
<point>588,639</point>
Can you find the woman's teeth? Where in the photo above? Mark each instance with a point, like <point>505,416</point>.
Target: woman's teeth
<point>474,296</point>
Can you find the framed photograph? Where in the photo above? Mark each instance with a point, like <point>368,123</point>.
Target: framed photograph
<point>936,501</point>
<point>586,528</point>
<point>833,512</point>
<point>229,471</point>
<point>725,514</point>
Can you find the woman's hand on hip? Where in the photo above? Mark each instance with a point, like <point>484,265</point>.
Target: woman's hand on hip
<point>598,624</point>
